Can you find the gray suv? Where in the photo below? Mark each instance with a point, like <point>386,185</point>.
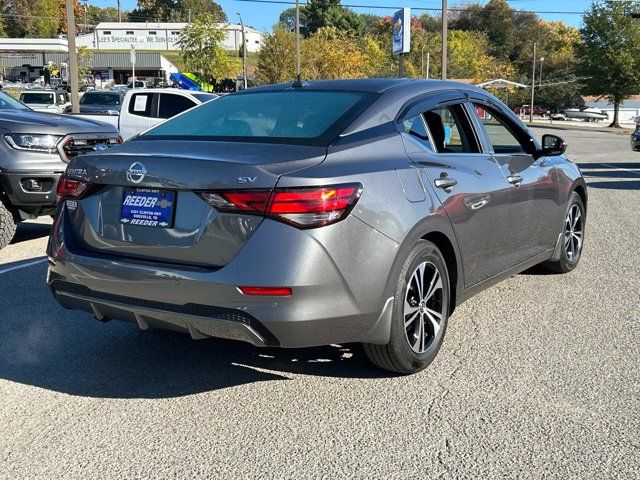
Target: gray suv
<point>317,213</point>
<point>34,150</point>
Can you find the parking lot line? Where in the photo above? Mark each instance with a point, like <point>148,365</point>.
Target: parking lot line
<point>24,265</point>
<point>622,169</point>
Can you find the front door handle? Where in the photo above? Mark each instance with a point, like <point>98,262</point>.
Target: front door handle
<point>514,180</point>
<point>445,183</point>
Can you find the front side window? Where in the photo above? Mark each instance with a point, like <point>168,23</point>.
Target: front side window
<point>171,105</point>
<point>307,117</point>
<point>416,128</point>
<point>501,132</point>
<point>450,130</point>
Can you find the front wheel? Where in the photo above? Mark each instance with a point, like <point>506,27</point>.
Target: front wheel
<point>7,226</point>
<point>420,313</point>
<point>572,238</point>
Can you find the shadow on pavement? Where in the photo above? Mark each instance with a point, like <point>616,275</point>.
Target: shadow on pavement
<point>628,172</point>
<point>30,231</point>
<point>70,352</point>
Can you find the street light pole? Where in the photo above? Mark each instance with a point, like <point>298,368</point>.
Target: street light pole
<point>428,63</point>
<point>445,28</point>
<point>73,56</point>
<point>298,67</point>
<point>533,81</point>
<point>244,54</point>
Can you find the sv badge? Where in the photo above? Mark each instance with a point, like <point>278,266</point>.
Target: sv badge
<point>247,179</point>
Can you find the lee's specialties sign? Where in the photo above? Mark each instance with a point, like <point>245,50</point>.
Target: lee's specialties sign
<point>402,31</point>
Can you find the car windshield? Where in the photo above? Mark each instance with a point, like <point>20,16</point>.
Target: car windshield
<point>205,97</point>
<point>307,117</point>
<point>100,98</point>
<point>35,98</point>
<point>7,102</point>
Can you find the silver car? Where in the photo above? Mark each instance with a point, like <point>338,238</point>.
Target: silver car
<point>317,213</point>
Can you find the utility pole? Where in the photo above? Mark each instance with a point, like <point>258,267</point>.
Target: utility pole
<point>133,67</point>
<point>540,79</point>
<point>533,81</point>
<point>73,56</point>
<point>244,54</point>
<point>119,12</point>
<point>428,63</point>
<point>298,66</point>
<point>445,29</point>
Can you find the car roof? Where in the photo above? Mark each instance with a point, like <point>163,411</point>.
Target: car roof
<point>373,85</point>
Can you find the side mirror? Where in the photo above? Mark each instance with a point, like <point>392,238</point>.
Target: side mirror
<point>552,145</point>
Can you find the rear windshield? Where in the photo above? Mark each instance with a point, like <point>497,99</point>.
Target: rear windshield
<point>37,98</point>
<point>311,117</point>
<point>99,98</point>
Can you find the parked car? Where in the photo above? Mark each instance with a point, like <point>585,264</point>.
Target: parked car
<point>317,213</point>
<point>526,110</point>
<point>635,139</point>
<point>101,102</point>
<point>34,151</point>
<point>50,101</point>
<point>145,108</point>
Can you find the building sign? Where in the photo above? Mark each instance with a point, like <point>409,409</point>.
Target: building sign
<point>402,31</point>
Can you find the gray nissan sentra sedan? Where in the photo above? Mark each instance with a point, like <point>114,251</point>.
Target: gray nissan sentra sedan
<point>317,213</point>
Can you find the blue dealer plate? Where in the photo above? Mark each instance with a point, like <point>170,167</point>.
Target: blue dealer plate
<point>148,208</point>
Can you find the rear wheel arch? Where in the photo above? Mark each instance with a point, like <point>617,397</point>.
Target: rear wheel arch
<point>448,251</point>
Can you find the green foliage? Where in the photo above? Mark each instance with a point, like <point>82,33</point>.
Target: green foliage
<point>277,61</point>
<point>177,10</point>
<point>33,18</point>
<point>202,51</point>
<point>317,14</point>
<point>610,52</point>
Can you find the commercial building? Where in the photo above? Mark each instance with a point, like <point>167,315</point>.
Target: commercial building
<point>25,60</point>
<point>159,36</point>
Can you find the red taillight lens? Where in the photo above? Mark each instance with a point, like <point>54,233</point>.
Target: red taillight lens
<point>314,207</point>
<point>240,201</point>
<point>268,291</point>
<point>305,207</point>
<point>71,188</point>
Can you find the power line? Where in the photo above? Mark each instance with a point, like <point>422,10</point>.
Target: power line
<point>420,9</point>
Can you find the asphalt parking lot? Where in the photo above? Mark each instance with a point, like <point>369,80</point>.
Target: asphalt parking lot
<point>539,377</point>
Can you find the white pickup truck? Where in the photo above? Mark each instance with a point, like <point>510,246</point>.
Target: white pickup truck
<point>145,108</point>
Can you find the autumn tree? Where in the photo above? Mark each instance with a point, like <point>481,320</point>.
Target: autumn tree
<point>609,53</point>
<point>177,10</point>
<point>277,58</point>
<point>202,50</point>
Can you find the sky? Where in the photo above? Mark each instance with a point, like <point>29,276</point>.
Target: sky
<point>264,16</point>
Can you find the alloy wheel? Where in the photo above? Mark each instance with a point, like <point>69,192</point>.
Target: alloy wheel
<point>423,307</point>
<point>573,233</point>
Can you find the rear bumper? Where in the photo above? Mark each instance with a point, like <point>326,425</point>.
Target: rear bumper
<point>336,299</point>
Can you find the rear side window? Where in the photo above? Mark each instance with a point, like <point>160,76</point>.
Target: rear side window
<point>416,128</point>
<point>171,105</point>
<point>140,104</point>
<point>450,130</point>
<point>504,135</point>
<point>308,117</point>
<point>37,98</point>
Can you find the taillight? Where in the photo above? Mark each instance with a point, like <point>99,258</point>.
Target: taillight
<point>246,201</point>
<point>75,189</point>
<point>304,207</point>
<point>313,207</point>
<point>267,291</point>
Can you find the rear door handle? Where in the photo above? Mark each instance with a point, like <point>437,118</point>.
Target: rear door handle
<point>514,180</point>
<point>445,183</point>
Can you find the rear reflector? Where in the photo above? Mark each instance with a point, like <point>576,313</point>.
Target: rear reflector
<point>305,207</point>
<point>266,291</point>
<point>71,188</point>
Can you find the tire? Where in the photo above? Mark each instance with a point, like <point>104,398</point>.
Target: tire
<point>7,226</point>
<point>570,256</point>
<point>404,354</point>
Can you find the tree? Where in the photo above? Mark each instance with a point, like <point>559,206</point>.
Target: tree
<point>277,59</point>
<point>610,53</point>
<point>177,10</point>
<point>202,50</point>
<point>329,13</point>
